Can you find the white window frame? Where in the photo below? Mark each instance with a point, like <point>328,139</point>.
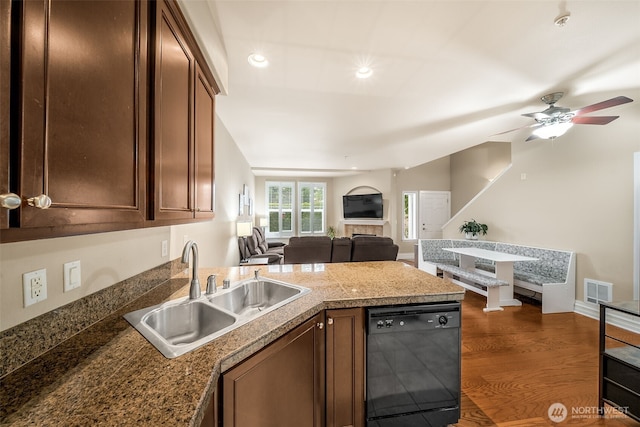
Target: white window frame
<point>312,210</point>
<point>410,216</point>
<point>280,210</point>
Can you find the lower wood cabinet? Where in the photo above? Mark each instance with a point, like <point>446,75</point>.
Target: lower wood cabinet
<point>312,376</point>
<point>345,360</point>
<point>280,386</point>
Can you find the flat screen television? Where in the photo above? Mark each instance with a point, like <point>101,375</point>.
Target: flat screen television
<point>362,206</point>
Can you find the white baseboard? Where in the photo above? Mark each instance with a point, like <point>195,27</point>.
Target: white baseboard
<point>618,319</point>
<point>406,255</point>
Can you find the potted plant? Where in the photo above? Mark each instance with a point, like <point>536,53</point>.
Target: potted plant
<point>472,229</point>
<point>332,232</point>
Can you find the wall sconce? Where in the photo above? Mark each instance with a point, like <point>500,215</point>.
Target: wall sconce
<point>244,228</point>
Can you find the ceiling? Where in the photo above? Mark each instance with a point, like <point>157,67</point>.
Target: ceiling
<point>447,75</point>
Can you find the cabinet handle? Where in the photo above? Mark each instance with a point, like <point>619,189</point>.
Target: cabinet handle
<point>10,201</point>
<point>320,325</point>
<point>41,202</point>
<point>330,321</point>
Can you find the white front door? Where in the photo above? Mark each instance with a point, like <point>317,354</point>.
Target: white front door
<point>435,211</point>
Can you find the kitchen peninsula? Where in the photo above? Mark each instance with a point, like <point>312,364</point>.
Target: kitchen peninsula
<point>110,375</point>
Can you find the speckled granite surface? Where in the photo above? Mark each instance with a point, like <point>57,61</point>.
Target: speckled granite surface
<point>28,340</point>
<point>110,375</point>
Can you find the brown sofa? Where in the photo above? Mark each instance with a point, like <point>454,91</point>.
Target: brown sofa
<point>321,249</point>
<point>256,246</point>
<point>365,248</point>
<point>308,249</point>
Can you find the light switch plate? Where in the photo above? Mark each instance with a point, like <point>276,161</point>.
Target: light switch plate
<point>34,286</point>
<point>72,275</point>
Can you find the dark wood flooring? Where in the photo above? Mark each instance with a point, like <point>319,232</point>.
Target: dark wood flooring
<point>518,362</point>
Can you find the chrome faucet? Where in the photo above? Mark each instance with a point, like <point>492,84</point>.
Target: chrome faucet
<point>256,272</point>
<point>194,290</point>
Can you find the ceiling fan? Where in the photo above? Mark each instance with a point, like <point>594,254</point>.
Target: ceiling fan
<point>555,121</point>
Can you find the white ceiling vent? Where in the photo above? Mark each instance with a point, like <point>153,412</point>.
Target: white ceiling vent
<point>596,291</point>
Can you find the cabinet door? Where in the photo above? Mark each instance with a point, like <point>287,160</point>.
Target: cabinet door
<point>204,146</point>
<point>173,128</point>
<point>5,87</point>
<point>282,385</point>
<point>83,97</point>
<point>345,367</point>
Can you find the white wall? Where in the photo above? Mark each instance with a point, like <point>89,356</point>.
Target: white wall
<point>108,258</point>
<point>577,195</point>
<point>475,168</point>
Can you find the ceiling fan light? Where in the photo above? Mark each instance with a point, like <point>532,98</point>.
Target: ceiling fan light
<point>553,131</point>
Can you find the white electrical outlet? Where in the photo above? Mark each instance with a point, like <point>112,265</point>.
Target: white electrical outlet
<point>34,286</point>
<point>165,248</point>
<point>72,275</point>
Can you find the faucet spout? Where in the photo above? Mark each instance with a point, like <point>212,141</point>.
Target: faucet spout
<point>194,290</point>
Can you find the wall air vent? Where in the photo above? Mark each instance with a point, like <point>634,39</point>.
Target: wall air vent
<point>596,291</point>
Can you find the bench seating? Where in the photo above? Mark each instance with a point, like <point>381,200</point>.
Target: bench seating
<point>476,282</point>
<point>550,279</point>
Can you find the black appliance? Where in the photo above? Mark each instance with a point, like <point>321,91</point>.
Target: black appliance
<point>362,206</point>
<point>413,365</point>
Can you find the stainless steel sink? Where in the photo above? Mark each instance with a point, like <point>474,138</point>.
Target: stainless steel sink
<point>188,322</point>
<point>180,326</point>
<point>254,297</point>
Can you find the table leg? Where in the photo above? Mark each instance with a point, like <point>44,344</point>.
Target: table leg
<point>467,262</point>
<point>494,295</point>
<point>493,299</point>
<point>504,271</point>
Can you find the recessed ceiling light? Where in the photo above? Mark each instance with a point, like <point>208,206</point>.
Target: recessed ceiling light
<point>364,72</point>
<point>258,60</point>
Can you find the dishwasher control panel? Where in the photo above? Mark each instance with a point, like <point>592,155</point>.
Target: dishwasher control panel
<point>413,318</point>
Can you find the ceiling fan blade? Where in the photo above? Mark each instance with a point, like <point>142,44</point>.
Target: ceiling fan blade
<point>532,137</point>
<point>597,120</point>
<point>602,105</point>
<point>535,125</point>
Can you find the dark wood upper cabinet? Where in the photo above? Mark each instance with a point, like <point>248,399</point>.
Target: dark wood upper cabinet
<point>5,100</point>
<point>204,146</point>
<point>184,101</point>
<point>82,127</point>
<point>112,112</point>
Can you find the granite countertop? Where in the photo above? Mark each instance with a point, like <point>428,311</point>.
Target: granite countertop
<point>110,375</point>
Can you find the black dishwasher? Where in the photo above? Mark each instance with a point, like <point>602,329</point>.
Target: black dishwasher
<point>413,365</point>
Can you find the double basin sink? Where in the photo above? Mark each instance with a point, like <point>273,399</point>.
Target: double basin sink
<point>180,326</point>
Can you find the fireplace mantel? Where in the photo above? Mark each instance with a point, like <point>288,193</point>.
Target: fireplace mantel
<point>363,226</point>
<point>364,222</point>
